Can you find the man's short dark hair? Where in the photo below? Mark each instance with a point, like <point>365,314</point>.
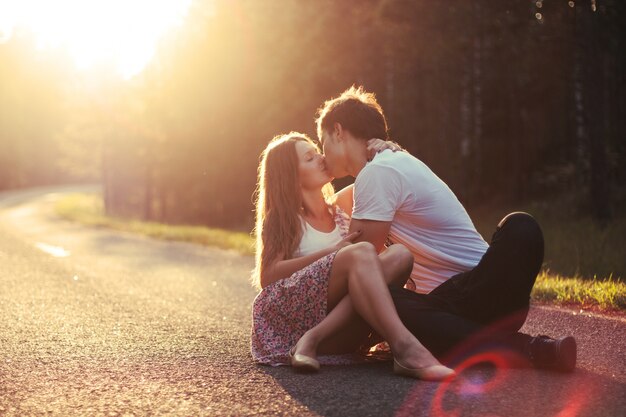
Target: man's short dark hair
<point>357,111</point>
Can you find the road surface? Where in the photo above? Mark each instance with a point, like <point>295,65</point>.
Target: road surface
<point>98,322</point>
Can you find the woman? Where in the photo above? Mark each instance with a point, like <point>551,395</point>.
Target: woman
<point>314,280</point>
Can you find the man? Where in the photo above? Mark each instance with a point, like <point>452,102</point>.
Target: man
<point>460,286</point>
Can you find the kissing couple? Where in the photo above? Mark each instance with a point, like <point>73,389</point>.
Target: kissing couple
<point>394,257</point>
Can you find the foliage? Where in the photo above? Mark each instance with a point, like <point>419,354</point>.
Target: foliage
<point>575,244</point>
<point>507,101</point>
<point>31,104</point>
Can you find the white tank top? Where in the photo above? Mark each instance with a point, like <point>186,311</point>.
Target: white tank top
<point>313,240</point>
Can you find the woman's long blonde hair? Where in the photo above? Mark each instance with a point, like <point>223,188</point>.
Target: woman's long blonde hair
<point>278,202</point>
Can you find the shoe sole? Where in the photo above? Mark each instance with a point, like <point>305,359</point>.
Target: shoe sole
<point>433,373</point>
<point>566,352</point>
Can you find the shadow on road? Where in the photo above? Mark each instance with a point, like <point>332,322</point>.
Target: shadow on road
<point>356,390</point>
<point>372,389</point>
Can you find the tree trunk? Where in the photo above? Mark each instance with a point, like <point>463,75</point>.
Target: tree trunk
<point>594,99</point>
<point>148,188</point>
<point>107,186</point>
<point>477,102</point>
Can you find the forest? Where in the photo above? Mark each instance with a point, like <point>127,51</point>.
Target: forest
<point>507,101</point>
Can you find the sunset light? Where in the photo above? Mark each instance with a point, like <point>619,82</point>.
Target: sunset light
<point>334,208</point>
<point>122,33</point>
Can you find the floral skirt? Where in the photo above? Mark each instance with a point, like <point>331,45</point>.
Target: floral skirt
<point>283,311</point>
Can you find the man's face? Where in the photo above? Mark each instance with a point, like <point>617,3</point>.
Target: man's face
<point>334,153</point>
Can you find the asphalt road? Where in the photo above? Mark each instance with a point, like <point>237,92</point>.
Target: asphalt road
<point>97,322</point>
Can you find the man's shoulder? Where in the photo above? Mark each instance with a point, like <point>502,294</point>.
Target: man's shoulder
<point>391,170</point>
<point>388,161</point>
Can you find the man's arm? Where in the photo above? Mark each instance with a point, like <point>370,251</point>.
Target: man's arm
<point>377,196</point>
<point>372,231</point>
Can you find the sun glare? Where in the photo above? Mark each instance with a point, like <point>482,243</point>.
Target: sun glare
<point>123,32</point>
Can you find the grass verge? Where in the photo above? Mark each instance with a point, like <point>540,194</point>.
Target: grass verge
<point>88,209</point>
<point>603,294</point>
<point>575,244</point>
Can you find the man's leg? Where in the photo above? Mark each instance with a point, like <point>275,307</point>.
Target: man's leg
<point>500,285</point>
<point>431,322</point>
<point>452,338</point>
<point>496,293</point>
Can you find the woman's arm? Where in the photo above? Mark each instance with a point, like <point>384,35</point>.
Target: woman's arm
<point>284,268</point>
<point>343,198</point>
<point>376,145</point>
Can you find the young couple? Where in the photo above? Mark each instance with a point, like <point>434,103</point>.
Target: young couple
<point>329,275</point>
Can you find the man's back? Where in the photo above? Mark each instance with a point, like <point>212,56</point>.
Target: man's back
<point>425,216</point>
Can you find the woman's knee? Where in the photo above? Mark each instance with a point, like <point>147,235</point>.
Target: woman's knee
<point>361,251</point>
<point>402,257</point>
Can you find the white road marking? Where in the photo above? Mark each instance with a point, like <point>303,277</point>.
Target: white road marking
<point>56,251</point>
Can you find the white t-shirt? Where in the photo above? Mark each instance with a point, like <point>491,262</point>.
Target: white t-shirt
<point>425,216</point>
<point>313,240</point>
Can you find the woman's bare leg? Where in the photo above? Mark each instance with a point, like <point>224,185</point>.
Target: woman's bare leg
<point>397,262</point>
<point>393,266</point>
<point>360,270</point>
<point>343,330</point>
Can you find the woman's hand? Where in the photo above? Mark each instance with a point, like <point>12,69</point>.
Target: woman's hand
<point>348,240</point>
<point>376,145</point>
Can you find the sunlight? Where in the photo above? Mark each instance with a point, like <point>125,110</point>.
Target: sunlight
<point>121,32</point>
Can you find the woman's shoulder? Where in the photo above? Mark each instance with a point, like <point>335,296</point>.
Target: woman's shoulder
<point>343,199</point>
<point>342,219</point>
<point>339,211</point>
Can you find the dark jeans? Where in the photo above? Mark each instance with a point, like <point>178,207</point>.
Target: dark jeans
<point>487,304</point>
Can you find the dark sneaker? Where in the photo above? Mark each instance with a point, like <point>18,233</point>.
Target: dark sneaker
<point>557,354</point>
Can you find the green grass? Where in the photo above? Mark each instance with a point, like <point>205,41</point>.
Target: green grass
<point>584,262</point>
<point>88,209</point>
<point>566,239</point>
<point>606,294</point>
<point>575,245</point>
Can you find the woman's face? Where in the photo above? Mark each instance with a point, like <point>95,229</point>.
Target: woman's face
<point>311,166</point>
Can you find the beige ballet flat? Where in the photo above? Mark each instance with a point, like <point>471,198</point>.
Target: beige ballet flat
<point>303,363</point>
<point>427,373</point>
